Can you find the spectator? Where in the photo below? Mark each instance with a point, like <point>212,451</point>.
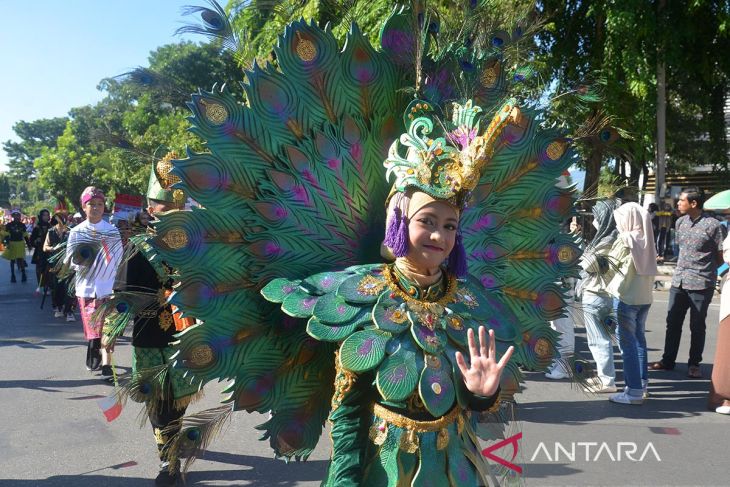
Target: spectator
<point>597,302</point>
<point>94,249</point>
<point>699,238</point>
<point>634,253</point>
<point>565,325</point>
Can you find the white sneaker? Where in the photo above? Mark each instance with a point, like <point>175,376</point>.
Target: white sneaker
<point>723,409</point>
<point>602,389</point>
<point>58,314</point>
<point>556,374</point>
<point>625,398</point>
<point>70,317</point>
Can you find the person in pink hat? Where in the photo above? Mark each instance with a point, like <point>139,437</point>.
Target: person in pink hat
<point>94,252</point>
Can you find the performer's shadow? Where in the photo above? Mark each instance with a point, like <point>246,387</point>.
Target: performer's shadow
<point>257,470</point>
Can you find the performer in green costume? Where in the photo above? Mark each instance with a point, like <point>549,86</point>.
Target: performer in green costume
<point>292,191</point>
<point>164,390</point>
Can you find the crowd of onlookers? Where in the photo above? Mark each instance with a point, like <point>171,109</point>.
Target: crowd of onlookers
<point>614,293</point>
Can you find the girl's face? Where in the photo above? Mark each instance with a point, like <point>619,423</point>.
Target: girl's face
<point>431,235</point>
<point>45,216</point>
<point>94,209</point>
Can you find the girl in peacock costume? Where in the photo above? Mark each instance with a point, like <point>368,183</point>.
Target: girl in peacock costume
<point>281,265</point>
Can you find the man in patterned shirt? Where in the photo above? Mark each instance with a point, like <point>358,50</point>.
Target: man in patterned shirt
<point>700,252</point>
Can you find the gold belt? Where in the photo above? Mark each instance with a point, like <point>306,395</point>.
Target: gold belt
<point>391,417</point>
<point>409,441</point>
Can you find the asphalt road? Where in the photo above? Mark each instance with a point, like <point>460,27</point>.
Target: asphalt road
<point>53,432</point>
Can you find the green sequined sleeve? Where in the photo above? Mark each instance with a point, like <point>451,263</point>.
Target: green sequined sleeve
<point>350,421</point>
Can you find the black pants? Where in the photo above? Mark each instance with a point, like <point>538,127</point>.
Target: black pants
<point>22,264</point>
<point>661,241</point>
<point>681,300</point>
<point>41,273</point>
<point>165,424</point>
<point>60,297</point>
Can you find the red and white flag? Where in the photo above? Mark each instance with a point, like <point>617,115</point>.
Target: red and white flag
<point>111,407</point>
<point>107,253</point>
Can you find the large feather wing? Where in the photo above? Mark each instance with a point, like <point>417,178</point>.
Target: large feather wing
<point>291,185</point>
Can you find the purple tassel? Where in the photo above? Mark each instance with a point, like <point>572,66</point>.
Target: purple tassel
<point>396,234</point>
<point>457,258</point>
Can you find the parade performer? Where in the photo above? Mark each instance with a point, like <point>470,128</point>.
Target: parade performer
<point>62,301</point>
<point>16,236</point>
<point>93,252</point>
<point>282,262</point>
<point>36,241</point>
<point>155,325</point>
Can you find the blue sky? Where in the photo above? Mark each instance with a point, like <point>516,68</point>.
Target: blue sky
<point>53,53</point>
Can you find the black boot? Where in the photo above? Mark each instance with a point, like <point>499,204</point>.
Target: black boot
<point>166,478</point>
<point>93,354</point>
<point>23,277</point>
<point>12,277</point>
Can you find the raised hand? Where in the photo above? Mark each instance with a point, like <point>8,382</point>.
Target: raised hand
<point>482,376</point>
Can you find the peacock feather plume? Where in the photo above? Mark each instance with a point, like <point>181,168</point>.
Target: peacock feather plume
<point>292,185</point>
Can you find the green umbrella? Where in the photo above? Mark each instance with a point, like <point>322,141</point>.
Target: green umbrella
<point>719,202</point>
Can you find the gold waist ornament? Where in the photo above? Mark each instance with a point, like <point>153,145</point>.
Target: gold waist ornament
<point>409,439</point>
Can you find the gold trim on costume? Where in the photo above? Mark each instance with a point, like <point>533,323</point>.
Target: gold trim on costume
<point>184,402</point>
<point>409,441</point>
<point>401,421</point>
<point>424,309</point>
<point>442,439</point>
<point>158,436</point>
<point>344,380</point>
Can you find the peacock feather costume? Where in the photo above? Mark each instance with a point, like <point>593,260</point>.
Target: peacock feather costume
<point>281,265</point>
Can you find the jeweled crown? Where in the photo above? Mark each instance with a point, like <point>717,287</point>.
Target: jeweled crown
<point>449,165</point>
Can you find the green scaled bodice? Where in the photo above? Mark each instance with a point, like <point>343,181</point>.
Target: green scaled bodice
<point>406,335</point>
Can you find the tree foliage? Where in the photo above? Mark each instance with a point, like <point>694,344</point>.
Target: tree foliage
<point>34,137</point>
<point>621,43</point>
<point>606,47</point>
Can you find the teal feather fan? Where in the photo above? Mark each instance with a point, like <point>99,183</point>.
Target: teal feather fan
<point>293,185</point>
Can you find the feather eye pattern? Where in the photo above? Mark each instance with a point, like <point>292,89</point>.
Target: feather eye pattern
<point>214,24</point>
<point>167,87</point>
<point>195,433</point>
<point>95,255</point>
<point>123,306</point>
<point>148,386</point>
<point>292,185</point>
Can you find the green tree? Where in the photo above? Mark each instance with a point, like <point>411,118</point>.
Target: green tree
<point>70,167</point>
<point>34,137</point>
<point>620,42</point>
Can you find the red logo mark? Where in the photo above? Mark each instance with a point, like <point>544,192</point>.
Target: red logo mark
<point>487,452</point>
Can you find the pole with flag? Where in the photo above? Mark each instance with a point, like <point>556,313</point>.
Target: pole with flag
<point>111,405</point>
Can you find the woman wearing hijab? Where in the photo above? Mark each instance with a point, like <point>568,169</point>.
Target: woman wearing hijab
<point>597,301</point>
<point>634,253</point>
